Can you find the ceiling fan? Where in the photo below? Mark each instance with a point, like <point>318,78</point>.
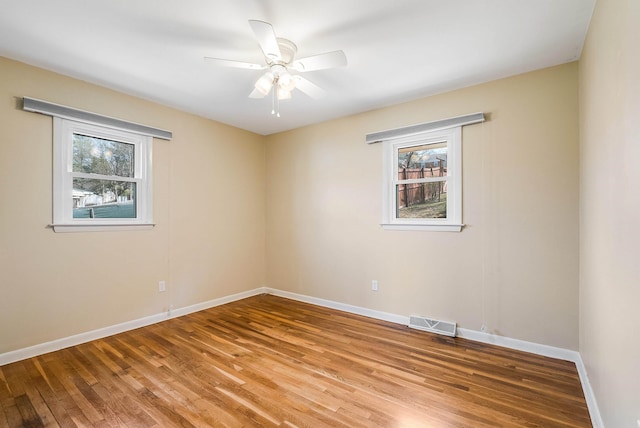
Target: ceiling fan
<point>279,55</point>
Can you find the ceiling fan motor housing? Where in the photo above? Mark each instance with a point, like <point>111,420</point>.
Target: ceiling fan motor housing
<point>288,50</point>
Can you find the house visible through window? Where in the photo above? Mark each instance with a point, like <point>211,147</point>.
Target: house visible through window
<point>102,175</point>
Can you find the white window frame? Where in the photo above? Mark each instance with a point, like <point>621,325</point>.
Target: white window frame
<point>453,223</point>
<point>63,221</point>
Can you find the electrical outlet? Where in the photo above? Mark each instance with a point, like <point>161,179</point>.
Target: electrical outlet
<point>374,285</point>
<point>162,286</point>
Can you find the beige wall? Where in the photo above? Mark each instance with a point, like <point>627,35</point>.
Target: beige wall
<point>610,209</point>
<point>514,267</point>
<point>209,201</point>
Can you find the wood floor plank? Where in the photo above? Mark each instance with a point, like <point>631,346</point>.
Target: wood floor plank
<point>269,361</point>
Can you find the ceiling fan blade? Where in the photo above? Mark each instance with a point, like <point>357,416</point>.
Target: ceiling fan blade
<point>311,89</point>
<point>256,94</point>
<point>266,38</point>
<point>321,61</point>
<point>234,64</point>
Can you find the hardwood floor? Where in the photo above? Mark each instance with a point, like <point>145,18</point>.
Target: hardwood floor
<point>269,361</point>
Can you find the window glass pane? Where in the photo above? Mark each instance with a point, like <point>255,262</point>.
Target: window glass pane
<point>422,200</point>
<point>103,198</point>
<point>428,160</point>
<point>100,156</point>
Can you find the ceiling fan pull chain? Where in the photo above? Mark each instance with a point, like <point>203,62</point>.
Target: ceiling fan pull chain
<point>273,100</point>
<point>275,103</point>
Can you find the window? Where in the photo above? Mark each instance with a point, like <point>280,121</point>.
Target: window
<point>422,174</point>
<point>422,181</point>
<point>102,177</point>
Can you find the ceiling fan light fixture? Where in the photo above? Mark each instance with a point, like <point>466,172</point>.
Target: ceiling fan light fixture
<point>286,81</point>
<point>265,83</point>
<point>283,93</point>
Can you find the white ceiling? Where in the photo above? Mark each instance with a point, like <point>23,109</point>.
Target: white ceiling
<point>398,50</point>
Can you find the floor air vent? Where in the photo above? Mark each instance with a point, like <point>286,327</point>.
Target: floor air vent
<point>433,326</point>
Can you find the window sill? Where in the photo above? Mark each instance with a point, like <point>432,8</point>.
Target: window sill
<point>99,227</point>
<point>428,227</point>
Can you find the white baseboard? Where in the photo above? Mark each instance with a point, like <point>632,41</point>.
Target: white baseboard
<point>217,302</point>
<point>589,396</point>
<point>519,345</point>
<point>506,342</point>
<point>358,310</point>
<point>56,345</point>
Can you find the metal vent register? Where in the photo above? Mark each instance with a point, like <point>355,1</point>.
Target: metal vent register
<point>433,326</point>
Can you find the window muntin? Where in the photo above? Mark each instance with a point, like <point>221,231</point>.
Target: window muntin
<point>422,181</point>
<point>102,175</point>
